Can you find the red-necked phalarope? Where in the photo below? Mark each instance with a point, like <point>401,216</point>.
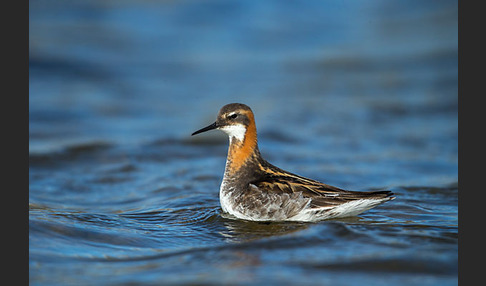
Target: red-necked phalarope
<point>253,189</point>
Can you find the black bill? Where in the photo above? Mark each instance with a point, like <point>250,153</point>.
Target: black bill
<point>207,128</point>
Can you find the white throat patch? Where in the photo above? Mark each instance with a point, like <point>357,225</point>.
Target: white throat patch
<point>237,131</point>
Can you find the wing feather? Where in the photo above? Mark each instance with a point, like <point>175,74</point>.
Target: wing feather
<point>321,195</point>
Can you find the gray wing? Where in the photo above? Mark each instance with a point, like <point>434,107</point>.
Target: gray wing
<point>320,194</point>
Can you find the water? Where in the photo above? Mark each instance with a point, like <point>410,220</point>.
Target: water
<point>361,95</point>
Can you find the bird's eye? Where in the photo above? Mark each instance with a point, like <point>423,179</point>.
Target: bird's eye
<point>232,116</point>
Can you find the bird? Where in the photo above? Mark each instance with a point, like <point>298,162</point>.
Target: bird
<point>253,189</point>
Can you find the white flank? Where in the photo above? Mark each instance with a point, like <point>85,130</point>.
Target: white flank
<point>235,131</point>
<point>352,208</point>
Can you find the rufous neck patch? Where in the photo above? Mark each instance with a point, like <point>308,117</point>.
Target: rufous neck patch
<point>239,152</point>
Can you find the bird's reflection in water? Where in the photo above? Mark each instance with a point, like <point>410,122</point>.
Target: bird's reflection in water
<point>244,231</point>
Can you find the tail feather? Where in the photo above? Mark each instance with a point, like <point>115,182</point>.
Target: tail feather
<point>380,194</point>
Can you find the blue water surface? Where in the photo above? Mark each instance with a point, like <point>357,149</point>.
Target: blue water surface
<point>357,94</point>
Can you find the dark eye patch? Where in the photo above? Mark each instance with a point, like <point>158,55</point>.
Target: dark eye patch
<point>232,116</point>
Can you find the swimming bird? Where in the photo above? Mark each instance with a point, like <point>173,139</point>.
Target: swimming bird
<point>253,189</point>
